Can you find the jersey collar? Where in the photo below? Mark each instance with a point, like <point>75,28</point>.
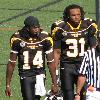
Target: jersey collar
<point>73,27</point>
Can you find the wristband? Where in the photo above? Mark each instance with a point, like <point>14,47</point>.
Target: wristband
<point>54,84</point>
<point>8,86</point>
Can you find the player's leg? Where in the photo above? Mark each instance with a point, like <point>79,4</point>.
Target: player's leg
<point>67,81</point>
<point>28,87</point>
<point>37,97</point>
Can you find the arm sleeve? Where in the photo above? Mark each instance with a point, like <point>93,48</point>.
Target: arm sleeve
<point>48,46</point>
<point>92,41</point>
<point>92,34</point>
<point>57,33</point>
<point>93,29</point>
<point>14,43</point>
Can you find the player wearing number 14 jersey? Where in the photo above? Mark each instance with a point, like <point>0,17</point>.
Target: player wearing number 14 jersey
<point>30,45</point>
<point>72,36</point>
<point>31,52</point>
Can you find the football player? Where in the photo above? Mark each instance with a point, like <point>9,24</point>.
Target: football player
<point>72,35</point>
<point>30,45</point>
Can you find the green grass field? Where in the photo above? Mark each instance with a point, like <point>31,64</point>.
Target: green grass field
<point>12,15</point>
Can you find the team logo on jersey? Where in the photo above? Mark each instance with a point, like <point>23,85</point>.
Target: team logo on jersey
<point>76,34</point>
<point>64,33</point>
<point>22,44</point>
<point>32,46</point>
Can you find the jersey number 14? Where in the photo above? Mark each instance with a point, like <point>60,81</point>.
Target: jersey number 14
<point>37,60</point>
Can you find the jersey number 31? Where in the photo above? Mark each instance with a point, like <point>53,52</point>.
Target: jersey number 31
<point>75,47</point>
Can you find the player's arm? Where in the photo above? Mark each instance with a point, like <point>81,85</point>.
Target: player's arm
<point>52,69</point>
<point>9,72</point>
<point>11,64</point>
<point>80,84</point>
<point>81,77</point>
<point>57,35</point>
<point>57,53</point>
<point>50,60</point>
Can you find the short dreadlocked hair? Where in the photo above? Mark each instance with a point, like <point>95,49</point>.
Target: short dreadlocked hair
<point>66,13</point>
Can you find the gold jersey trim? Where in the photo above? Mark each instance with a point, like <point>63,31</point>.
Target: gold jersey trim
<point>76,27</point>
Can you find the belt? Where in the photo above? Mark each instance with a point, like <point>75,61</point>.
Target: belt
<point>91,88</point>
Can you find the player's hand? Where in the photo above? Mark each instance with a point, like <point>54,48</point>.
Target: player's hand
<point>77,97</point>
<point>8,91</point>
<point>54,89</point>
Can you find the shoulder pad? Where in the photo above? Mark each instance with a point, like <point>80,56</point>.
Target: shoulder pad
<point>88,19</point>
<point>16,34</point>
<point>44,32</point>
<point>59,22</point>
<point>14,37</point>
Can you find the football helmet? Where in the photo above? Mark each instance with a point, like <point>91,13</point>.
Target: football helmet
<point>50,96</point>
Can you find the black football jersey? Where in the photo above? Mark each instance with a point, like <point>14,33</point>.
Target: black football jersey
<point>74,41</point>
<point>31,51</point>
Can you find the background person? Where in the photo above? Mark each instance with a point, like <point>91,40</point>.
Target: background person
<point>90,72</point>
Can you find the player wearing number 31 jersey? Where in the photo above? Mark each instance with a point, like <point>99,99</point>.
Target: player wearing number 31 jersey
<point>30,45</point>
<point>75,34</point>
<point>74,41</point>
